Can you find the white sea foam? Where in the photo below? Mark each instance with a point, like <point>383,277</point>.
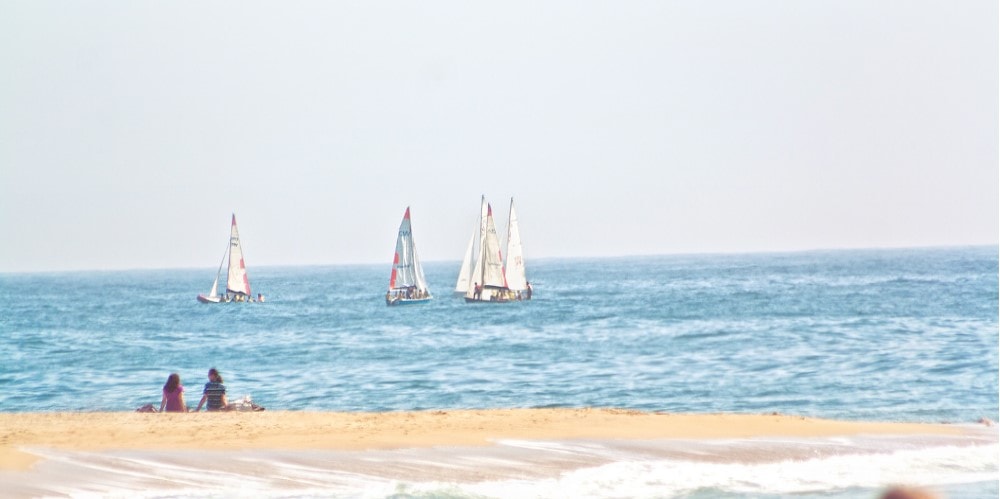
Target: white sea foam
<point>667,478</point>
<point>524,468</point>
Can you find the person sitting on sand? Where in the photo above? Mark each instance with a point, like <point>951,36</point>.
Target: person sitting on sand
<point>214,393</point>
<point>173,395</point>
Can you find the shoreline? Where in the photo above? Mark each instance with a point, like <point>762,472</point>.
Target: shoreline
<point>293,430</point>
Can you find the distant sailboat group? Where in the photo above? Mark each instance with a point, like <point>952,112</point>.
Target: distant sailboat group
<point>491,278</point>
<point>484,276</point>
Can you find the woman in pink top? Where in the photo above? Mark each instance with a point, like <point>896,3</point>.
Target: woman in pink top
<point>173,395</point>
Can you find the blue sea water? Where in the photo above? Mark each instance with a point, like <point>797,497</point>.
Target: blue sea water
<point>892,335</point>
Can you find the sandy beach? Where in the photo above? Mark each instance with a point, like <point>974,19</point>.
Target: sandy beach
<point>365,431</point>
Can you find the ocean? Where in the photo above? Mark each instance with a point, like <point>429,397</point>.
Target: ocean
<point>908,335</point>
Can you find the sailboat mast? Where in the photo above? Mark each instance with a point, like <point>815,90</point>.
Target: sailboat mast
<point>482,243</point>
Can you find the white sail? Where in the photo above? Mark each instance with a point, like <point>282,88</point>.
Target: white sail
<point>484,210</point>
<point>215,284</point>
<point>516,279</point>
<point>465,282</point>
<point>418,272</point>
<point>488,272</point>
<point>239,281</point>
<point>406,269</point>
<point>465,273</point>
<point>215,288</point>
<point>492,259</point>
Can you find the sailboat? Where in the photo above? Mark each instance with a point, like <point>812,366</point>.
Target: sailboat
<point>237,281</point>
<point>465,280</point>
<point>491,278</point>
<point>488,281</point>
<point>407,283</point>
<point>517,280</point>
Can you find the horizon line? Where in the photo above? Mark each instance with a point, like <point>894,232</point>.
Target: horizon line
<point>539,258</point>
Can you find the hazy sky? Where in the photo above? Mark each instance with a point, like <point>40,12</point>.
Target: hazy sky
<point>130,130</point>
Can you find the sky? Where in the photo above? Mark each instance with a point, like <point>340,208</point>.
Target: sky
<point>130,131</point>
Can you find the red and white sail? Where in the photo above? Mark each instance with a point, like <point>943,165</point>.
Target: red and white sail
<point>406,269</point>
<point>239,281</point>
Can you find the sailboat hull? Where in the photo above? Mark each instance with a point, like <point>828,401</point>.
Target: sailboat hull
<point>406,301</point>
<point>498,295</point>
<point>209,299</point>
<point>473,300</point>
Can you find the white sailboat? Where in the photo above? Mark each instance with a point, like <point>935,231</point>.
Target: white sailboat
<point>517,280</point>
<point>237,281</point>
<point>488,281</point>
<point>407,283</point>
<point>465,280</point>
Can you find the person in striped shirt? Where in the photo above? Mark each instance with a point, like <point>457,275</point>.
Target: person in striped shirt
<point>214,393</point>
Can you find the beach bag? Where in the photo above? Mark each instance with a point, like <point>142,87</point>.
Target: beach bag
<point>245,405</point>
<point>146,408</point>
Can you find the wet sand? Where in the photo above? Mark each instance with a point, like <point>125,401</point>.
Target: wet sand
<point>280,430</point>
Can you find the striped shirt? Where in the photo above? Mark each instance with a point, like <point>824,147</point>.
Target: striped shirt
<point>215,391</point>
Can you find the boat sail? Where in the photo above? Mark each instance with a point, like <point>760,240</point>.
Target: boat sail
<point>465,280</point>
<point>407,283</point>
<point>465,273</point>
<point>213,295</point>
<point>488,280</point>
<point>237,280</point>
<point>517,280</point>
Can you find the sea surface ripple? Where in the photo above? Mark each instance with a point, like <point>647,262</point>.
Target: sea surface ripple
<point>896,335</point>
